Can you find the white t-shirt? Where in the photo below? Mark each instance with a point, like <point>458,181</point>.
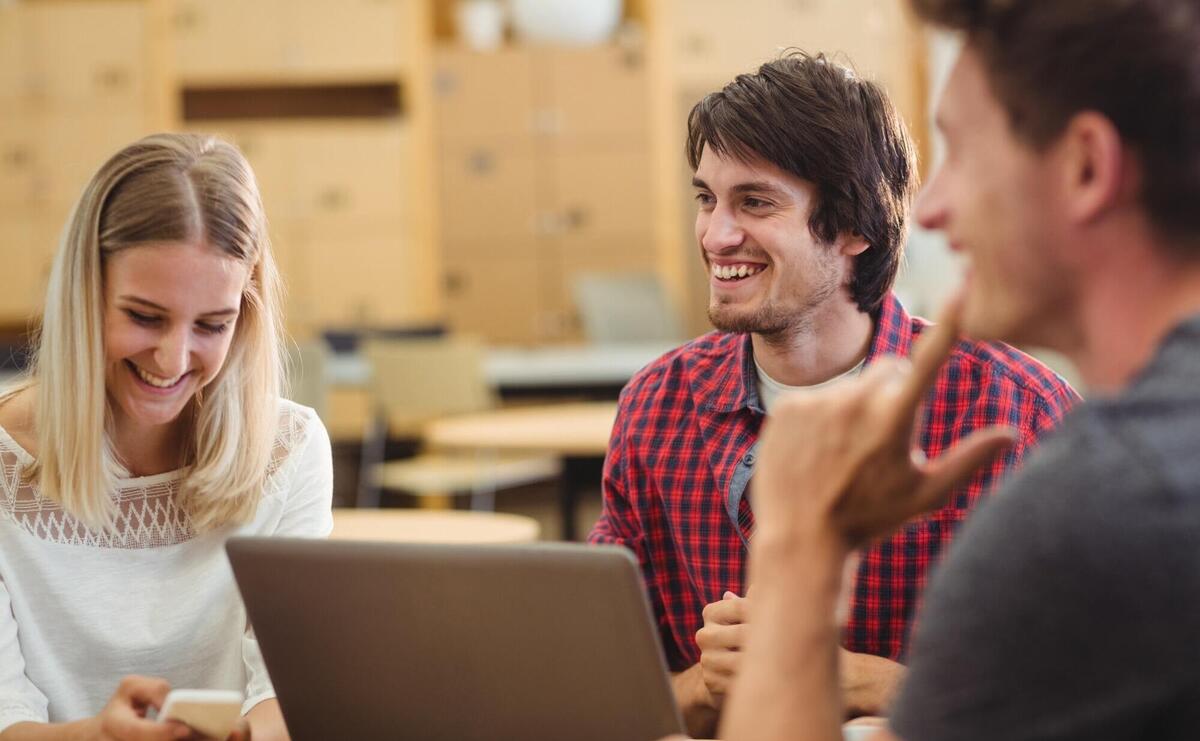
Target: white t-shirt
<point>769,389</point>
<point>79,609</point>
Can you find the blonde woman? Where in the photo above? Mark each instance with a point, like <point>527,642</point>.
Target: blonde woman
<point>150,429</point>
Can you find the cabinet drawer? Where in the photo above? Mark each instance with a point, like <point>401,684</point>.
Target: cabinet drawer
<point>358,273</point>
<point>483,95</point>
<point>350,169</point>
<point>26,267</point>
<point>497,298</point>
<point>223,40</point>
<point>601,191</point>
<point>346,38</point>
<point>105,68</point>
<point>68,151</point>
<point>15,70</point>
<point>489,194</point>
<point>594,94</point>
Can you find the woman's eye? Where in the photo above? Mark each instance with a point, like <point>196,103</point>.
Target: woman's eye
<point>143,319</point>
<point>212,328</point>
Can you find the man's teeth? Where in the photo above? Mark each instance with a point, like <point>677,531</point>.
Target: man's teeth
<point>729,272</point>
<point>156,381</point>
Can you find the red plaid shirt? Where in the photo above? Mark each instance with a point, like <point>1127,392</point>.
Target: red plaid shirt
<point>682,451</point>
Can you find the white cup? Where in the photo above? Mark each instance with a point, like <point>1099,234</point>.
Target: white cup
<point>481,24</point>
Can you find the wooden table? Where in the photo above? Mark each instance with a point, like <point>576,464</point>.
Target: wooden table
<point>576,432</point>
<point>424,526</point>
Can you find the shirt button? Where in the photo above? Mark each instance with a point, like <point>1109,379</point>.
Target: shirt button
<point>748,459</point>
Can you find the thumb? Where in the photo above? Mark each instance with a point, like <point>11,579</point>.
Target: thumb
<point>954,467</point>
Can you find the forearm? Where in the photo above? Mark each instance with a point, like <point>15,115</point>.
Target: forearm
<point>789,684</point>
<point>695,704</point>
<point>80,730</point>
<point>266,722</point>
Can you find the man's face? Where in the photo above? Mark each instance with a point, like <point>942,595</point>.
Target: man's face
<point>768,274</point>
<point>994,198</point>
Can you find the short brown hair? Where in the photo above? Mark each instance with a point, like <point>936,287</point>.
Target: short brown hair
<point>817,120</point>
<point>1137,62</point>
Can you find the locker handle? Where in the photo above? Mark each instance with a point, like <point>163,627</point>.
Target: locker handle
<point>333,199</point>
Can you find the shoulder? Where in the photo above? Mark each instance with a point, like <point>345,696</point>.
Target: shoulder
<point>1002,375</point>
<point>704,356</point>
<point>300,434</point>
<point>17,417</point>
<point>668,388</point>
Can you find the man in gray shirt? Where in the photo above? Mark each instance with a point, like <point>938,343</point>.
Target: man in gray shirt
<point>1066,608</point>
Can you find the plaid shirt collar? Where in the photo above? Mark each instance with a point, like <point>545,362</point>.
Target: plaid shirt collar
<point>727,381</point>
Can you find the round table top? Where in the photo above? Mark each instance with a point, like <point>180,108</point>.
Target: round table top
<point>580,428</point>
<point>425,526</point>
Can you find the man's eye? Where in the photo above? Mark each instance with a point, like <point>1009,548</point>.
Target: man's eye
<point>704,198</point>
<point>755,203</point>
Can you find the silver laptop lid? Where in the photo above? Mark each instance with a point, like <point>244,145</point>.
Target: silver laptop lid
<point>381,640</point>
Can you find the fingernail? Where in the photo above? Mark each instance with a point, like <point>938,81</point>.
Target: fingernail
<point>729,595</point>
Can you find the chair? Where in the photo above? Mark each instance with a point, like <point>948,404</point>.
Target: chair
<point>307,374</point>
<point>414,381</point>
<point>624,308</point>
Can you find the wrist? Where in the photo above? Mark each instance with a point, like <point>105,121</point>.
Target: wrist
<point>696,703</point>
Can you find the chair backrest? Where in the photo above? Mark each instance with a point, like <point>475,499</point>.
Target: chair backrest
<point>416,380</point>
<point>307,373</point>
<point>625,307</point>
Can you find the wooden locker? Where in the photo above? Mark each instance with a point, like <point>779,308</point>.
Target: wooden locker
<point>488,198</point>
<point>616,254</point>
<point>483,96</point>
<point>599,193</point>
<point>15,83</point>
<point>17,160</point>
<point>265,147</point>
<point>229,40</point>
<point>21,274</point>
<point>359,39</point>
<point>590,95</point>
<point>349,169</point>
<point>359,273</point>
<point>106,69</point>
<point>497,297</point>
<point>68,153</point>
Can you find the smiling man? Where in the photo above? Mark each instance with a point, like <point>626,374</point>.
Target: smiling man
<point>803,177</point>
<point>1067,608</point>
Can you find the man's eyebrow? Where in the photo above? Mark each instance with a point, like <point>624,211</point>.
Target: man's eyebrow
<point>698,183</point>
<point>151,305</point>
<point>758,186</point>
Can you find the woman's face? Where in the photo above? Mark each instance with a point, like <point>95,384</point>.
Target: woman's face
<point>170,311</point>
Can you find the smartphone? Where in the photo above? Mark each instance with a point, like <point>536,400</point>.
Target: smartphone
<point>213,713</point>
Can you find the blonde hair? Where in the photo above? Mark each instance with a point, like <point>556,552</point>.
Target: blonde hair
<point>164,188</point>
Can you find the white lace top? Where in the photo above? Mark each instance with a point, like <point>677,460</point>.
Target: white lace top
<point>79,609</point>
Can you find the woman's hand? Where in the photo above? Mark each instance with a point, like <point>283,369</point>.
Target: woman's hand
<point>124,717</point>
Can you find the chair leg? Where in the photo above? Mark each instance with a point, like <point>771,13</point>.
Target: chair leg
<point>373,450</point>
<point>483,496</point>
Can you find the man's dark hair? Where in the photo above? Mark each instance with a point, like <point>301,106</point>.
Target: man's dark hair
<point>813,118</point>
<point>1137,62</point>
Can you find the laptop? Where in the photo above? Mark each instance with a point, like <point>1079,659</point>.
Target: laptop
<point>388,640</point>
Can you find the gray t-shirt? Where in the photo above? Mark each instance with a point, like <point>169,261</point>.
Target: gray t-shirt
<point>1069,607</point>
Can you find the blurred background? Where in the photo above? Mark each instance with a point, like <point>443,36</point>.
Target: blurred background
<point>506,174</point>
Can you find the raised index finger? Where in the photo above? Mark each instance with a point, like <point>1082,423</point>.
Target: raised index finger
<point>930,353</point>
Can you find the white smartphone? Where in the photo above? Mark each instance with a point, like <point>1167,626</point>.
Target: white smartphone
<point>210,712</point>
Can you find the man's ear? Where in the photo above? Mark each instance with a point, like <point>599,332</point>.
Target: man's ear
<point>1097,172</point>
<point>851,244</point>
